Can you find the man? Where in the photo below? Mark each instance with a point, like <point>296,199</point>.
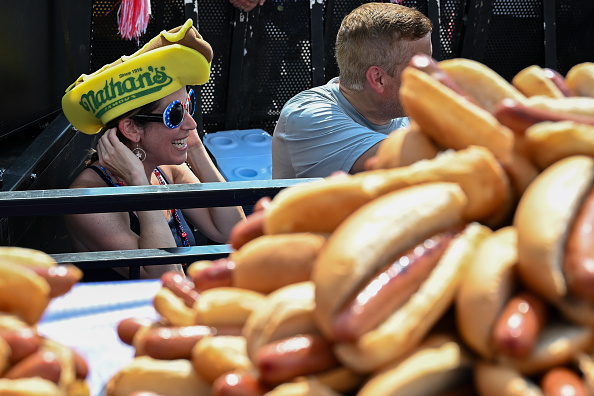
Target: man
<point>338,126</point>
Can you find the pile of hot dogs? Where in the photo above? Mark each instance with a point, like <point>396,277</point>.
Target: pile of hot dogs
<point>461,262</point>
<point>31,364</point>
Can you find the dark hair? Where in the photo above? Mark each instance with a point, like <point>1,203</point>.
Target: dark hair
<point>146,109</point>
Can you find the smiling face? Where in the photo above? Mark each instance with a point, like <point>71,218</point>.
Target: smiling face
<point>164,145</point>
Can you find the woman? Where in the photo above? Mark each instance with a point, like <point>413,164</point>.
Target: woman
<point>143,107</point>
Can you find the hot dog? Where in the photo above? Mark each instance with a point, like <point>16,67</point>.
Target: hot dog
<point>169,343</point>
<point>515,326</point>
<point>535,80</point>
<point>373,238</point>
<point>553,237</point>
<point>284,343</point>
<point>263,265</point>
<point>485,86</point>
<point>321,206</point>
<point>560,381</point>
<point>459,123</point>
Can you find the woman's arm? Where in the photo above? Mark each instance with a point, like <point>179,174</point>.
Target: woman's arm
<point>216,223</point>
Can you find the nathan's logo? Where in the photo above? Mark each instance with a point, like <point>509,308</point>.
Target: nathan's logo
<point>115,93</point>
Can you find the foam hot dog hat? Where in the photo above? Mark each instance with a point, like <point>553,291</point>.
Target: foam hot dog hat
<point>169,61</point>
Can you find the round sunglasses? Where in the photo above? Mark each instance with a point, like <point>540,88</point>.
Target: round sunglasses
<point>174,113</point>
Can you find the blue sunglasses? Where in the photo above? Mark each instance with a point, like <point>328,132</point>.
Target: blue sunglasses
<point>174,113</point>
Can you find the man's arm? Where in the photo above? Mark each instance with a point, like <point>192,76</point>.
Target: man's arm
<point>359,165</point>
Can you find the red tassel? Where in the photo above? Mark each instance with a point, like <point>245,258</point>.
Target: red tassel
<point>133,18</point>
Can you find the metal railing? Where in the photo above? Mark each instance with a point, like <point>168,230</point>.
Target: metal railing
<point>138,198</point>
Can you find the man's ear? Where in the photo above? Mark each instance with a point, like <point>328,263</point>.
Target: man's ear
<point>376,78</point>
<point>129,129</point>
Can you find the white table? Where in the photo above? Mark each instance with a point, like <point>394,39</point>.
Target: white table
<point>86,319</point>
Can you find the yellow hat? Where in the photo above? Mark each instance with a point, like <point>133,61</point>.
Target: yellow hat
<point>168,62</point>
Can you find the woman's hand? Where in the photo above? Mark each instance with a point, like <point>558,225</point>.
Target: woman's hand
<point>118,159</point>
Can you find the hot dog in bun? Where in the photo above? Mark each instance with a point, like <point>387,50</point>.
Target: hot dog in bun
<point>390,271</point>
<point>503,322</point>
<point>553,221</point>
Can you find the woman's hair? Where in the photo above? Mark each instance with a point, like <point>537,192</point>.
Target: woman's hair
<point>377,34</point>
<point>146,109</point>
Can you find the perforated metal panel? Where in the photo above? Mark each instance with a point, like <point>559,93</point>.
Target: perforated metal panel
<point>575,33</point>
<point>106,43</point>
<point>215,25</point>
<point>515,36</point>
<point>282,59</point>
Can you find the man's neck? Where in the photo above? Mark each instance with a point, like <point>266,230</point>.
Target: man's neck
<point>367,105</point>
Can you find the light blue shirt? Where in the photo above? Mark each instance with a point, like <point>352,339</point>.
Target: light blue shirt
<point>320,132</point>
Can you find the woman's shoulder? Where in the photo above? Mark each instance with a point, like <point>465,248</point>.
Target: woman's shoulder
<point>89,177</point>
<point>176,174</point>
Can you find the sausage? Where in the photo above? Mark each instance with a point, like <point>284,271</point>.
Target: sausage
<point>245,231</point>
<point>558,80</point>
<point>81,368</point>
<point>390,288</point>
<point>22,342</point>
<point>218,274</point>
<point>169,343</point>
<point>579,252</point>
<point>61,278</point>
<point>561,381</point>
<point>426,64</point>
<point>238,384</point>
<point>262,204</point>
<point>44,364</point>
<point>181,286</point>
<point>519,117</point>
<point>291,357</point>
<point>518,327</point>
<point>128,327</point>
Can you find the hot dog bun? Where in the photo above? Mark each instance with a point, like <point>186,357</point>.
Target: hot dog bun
<point>497,380</point>
<point>226,306</point>
<point>29,387</point>
<point>369,239</point>
<point>165,377</point>
<point>481,82</point>
<point>285,312</point>
<point>403,147</point>
<point>543,220</point>
<point>440,363</point>
<point>549,142</point>
<point>580,79</point>
<point>459,123</point>
<point>322,205</point>
<point>22,292</point>
<point>487,285</point>
<point>213,357</point>
<point>536,81</point>
<point>273,261</point>
<point>575,105</point>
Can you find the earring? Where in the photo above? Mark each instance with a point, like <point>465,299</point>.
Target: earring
<point>140,153</point>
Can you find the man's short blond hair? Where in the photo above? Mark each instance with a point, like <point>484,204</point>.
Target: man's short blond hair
<point>377,34</point>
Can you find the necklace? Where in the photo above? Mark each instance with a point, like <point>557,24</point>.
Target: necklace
<point>118,180</point>
<point>174,213</point>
